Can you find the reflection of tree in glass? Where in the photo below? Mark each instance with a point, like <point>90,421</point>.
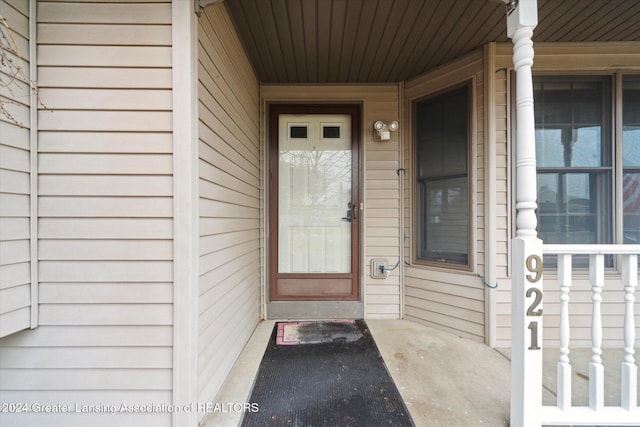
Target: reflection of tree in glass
<point>329,173</point>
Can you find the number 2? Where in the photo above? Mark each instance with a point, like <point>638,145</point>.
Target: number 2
<point>531,311</point>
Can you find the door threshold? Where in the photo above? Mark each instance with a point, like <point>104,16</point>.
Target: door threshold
<point>302,310</point>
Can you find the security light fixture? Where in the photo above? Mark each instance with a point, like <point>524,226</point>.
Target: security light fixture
<point>383,130</point>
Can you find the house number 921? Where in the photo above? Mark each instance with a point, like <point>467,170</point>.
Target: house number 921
<point>534,266</point>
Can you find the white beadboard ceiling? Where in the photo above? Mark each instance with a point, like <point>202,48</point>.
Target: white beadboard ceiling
<point>359,41</point>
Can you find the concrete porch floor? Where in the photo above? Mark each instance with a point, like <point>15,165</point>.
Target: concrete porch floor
<point>444,379</point>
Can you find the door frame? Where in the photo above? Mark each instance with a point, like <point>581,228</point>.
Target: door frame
<point>273,112</point>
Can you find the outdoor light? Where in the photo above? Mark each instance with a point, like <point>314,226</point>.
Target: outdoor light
<point>383,130</point>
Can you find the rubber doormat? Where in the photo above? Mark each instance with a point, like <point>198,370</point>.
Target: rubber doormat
<point>294,333</point>
<point>339,381</point>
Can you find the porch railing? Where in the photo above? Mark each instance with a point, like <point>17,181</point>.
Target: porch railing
<point>628,413</point>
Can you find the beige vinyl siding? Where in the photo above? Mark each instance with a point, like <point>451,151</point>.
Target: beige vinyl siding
<point>560,58</point>
<point>503,270</point>
<point>380,191</point>
<point>105,218</point>
<point>503,233</point>
<point>15,177</point>
<point>230,192</point>
<point>450,299</point>
<point>381,196</point>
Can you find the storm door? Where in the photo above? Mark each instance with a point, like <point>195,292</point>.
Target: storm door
<point>314,204</point>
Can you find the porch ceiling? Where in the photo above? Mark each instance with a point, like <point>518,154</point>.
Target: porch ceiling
<point>358,41</point>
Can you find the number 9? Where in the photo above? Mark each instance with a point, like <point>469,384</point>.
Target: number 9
<point>534,265</point>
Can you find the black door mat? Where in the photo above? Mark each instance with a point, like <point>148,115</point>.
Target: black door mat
<point>324,374</point>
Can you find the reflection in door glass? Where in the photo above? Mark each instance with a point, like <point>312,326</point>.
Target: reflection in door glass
<point>314,196</point>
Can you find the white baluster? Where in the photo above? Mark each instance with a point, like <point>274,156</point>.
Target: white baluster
<point>629,375</point>
<point>564,368</point>
<point>596,370</point>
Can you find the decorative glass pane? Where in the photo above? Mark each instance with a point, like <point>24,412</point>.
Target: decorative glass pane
<point>446,226</point>
<point>573,208</point>
<point>330,132</point>
<point>441,135</point>
<point>631,208</point>
<point>631,159</point>
<point>631,121</point>
<point>556,96</point>
<point>298,132</point>
<point>574,158</point>
<point>571,122</point>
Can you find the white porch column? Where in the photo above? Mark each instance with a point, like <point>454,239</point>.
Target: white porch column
<point>526,311</point>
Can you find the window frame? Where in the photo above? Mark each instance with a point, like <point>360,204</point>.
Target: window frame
<point>619,151</point>
<point>416,210</point>
<point>615,132</point>
<point>608,155</point>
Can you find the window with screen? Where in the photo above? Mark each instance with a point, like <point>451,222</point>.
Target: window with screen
<point>574,159</point>
<point>588,168</point>
<point>442,177</point>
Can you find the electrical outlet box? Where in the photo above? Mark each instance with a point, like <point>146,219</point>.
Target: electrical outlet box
<point>379,269</point>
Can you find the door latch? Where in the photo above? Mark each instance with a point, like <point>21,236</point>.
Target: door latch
<point>351,213</point>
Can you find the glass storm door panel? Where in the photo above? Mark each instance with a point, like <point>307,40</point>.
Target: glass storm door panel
<point>317,212</point>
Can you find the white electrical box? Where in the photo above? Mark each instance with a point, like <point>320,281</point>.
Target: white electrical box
<point>379,269</point>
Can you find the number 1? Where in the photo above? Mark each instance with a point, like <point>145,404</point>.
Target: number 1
<point>533,327</point>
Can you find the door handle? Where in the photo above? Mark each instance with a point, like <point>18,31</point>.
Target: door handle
<point>352,213</point>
